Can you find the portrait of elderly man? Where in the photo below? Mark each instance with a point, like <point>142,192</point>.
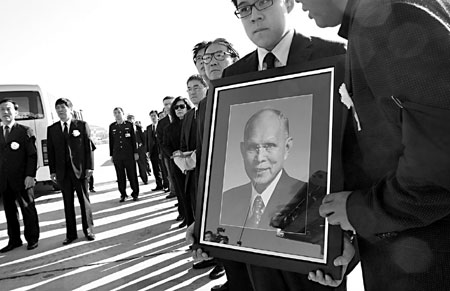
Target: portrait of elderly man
<point>264,150</point>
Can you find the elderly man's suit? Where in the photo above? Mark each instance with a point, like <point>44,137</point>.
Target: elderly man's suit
<point>398,164</point>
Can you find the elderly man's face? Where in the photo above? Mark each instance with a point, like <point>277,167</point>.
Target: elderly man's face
<point>196,91</point>
<point>215,68</point>
<point>326,13</point>
<point>265,149</point>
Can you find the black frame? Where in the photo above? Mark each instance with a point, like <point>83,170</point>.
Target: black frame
<point>311,75</point>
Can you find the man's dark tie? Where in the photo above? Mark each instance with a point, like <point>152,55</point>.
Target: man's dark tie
<point>66,130</point>
<point>6,133</point>
<point>66,147</point>
<point>269,60</point>
<point>257,209</point>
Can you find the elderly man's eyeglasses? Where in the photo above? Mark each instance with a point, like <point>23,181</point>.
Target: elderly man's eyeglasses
<point>219,55</point>
<point>253,148</point>
<point>246,10</point>
<point>181,106</point>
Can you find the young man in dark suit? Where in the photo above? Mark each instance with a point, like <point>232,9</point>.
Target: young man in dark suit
<point>396,153</point>
<point>71,163</point>
<point>18,164</point>
<point>153,150</point>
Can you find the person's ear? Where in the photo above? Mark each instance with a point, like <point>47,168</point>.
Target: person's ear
<point>288,144</point>
<point>243,151</point>
<point>289,5</point>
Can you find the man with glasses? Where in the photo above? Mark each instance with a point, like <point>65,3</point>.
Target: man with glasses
<point>198,51</point>
<point>266,25</point>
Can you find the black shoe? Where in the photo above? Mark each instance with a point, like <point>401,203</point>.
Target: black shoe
<point>223,287</point>
<point>167,190</point>
<point>217,272</point>
<point>122,199</point>
<point>69,240</point>
<point>171,195</point>
<point>179,218</point>
<point>183,224</point>
<point>32,245</point>
<point>135,198</point>
<point>90,236</point>
<point>157,189</point>
<point>145,183</point>
<point>11,246</point>
<point>204,264</point>
<point>92,190</point>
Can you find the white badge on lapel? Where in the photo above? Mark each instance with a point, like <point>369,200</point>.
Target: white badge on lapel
<point>76,133</point>
<point>348,102</point>
<point>15,146</point>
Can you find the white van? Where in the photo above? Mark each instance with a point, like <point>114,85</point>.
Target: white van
<point>36,110</point>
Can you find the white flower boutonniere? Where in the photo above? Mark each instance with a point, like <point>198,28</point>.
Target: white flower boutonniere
<point>76,133</point>
<point>15,145</point>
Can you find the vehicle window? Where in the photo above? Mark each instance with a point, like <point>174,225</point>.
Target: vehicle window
<point>30,104</point>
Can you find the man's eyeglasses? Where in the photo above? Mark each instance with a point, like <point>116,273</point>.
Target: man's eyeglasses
<point>219,55</point>
<point>256,148</point>
<point>246,10</point>
<point>181,106</point>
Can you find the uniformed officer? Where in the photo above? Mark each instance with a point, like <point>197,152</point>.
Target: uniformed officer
<point>123,152</point>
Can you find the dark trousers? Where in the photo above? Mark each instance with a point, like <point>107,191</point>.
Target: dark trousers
<point>178,183</point>
<point>189,197</point>
<point>170,177</point>
<point>124,169</point>
<point>154,159</point>
<point>25,198</point>
<point>165,173</point>
<point>142,166</point>
<point>91,182</point>
<point>70,183</point>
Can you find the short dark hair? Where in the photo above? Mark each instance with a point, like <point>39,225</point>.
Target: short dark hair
<point>234,2</point>
<point>153,111</point>
<point>174,103</point>
<point>198,78</point>
<point>198,47</point>
<point>233,52</point>
<point>168,98</point>
<point>64,101</point>
<point>119,108</point>
<point>16,106</point>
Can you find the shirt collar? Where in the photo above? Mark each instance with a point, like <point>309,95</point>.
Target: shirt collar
<point>9,125</point>
<point>68,123</point>
<point>266,194</point>
<point>280,51</point>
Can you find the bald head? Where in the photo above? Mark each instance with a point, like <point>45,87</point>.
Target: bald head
<point>265,147</point>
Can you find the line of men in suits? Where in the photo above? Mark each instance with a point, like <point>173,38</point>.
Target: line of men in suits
<point>395,154</point>
<point>71,163</point>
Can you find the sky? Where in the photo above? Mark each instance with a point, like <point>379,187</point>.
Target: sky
<point>107,53</point>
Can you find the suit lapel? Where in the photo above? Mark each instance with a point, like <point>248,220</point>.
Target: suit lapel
<point>300,50</point>
<point>189,119</point>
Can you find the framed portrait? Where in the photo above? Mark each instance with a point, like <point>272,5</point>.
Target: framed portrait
<point>271,152</point>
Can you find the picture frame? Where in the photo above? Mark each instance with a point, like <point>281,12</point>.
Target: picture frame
<point>273,136</point>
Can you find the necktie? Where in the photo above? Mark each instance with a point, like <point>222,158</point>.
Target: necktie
<point>269,60</point>
<point>6,133</point>
<point>257,209</point>
<point>66,130</point>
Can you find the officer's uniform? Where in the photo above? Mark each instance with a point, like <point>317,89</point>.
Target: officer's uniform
<point>122,147</point>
